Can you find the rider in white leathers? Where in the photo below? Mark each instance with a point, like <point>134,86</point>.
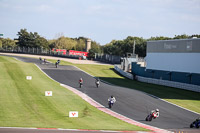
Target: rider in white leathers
<point>97,82</point>
<point>156,112</point>
<point>112,100</point>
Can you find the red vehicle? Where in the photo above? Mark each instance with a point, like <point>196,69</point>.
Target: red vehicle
<point>71,52</point>
<point>80,53</point>
<point>60,50</point>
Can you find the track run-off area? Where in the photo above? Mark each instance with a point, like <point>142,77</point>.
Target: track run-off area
<point>130,103</point>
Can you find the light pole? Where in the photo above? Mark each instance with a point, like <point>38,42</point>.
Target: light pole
<point>134,47</point>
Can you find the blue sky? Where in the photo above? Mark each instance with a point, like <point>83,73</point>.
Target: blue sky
<point>100,20</point>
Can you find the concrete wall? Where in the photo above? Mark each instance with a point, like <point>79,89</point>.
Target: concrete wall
<point>125,74</point>
<point>169,83</point>
<point>180,62</point>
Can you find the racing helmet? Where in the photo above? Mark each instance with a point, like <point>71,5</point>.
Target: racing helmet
<point>157,110</point>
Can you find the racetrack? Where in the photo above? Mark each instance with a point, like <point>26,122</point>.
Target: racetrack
<point>131,103</point>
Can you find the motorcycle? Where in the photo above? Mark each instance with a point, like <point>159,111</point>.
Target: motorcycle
<point>110,104</point>
<point>151,116</point>
<point>56,64</point>
<point>195,124</point>
<point>81,84</point>
<point>97,84</point>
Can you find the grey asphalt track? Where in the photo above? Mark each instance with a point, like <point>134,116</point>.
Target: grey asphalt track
<point>131,103</point>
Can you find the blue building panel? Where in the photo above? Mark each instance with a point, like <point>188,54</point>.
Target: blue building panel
<point>195,79</point>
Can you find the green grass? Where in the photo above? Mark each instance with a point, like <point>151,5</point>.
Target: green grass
<point>184,98</point>
<point>23,102</point>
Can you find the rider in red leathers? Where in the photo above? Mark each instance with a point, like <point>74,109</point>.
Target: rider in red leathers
<point>155,113</point>
<point>81,82</point>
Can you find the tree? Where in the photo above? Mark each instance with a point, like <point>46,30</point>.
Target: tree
<point>195,35</point>
<point>23,38</point>
<point>41,42</point>
<point>65,43</point>
<point>95,48</point>
<point>140,46</point>
<point>32,40</point>
<point>121,47</point>
<point>7,43</point>
<point>184,36</point>
<point>80,44</point>
<point>0,44</point>
<point>159,38</point>
<point>52,43</point>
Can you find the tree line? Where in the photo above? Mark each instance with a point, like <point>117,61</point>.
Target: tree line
<point>121,47</point>
<point>115,47</point>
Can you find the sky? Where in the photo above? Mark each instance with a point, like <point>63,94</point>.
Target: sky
<point>100,20</point>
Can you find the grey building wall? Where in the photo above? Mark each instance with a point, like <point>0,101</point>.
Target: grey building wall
<point>174,46</point>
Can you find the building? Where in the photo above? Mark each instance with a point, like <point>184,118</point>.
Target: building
<point>173,61</point>
<point>181,55</point>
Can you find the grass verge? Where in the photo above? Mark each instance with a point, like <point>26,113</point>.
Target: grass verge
<point>23,102</point>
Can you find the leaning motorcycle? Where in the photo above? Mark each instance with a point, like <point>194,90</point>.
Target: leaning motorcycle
<point>151,116</point>
<point>56,64</point>
<point>195,124</point>
<point>110,104</point>
<point>97,84</point>
<point>81,84</point>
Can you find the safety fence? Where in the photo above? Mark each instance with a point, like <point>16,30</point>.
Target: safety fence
<point>37,51</point>
<point>113,59</point>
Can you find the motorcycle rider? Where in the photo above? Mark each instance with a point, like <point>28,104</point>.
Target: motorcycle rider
<point>80,82</point>
<point>155,113</point>
<point>197,121</point>
<point>97,82</point>
<point>111,100</point>
<point>57,63</point>
<point>45,61</point>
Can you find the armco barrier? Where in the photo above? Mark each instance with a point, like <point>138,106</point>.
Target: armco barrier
<point>125,74</point>
<point>179,85</point>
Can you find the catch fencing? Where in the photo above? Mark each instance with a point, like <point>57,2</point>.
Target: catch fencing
<point>113,59</point>
<point>37,51</point>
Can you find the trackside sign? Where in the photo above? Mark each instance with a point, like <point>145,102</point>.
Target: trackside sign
<point>73,113</point>
<point>28,77</point>
<point>48,93</point>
